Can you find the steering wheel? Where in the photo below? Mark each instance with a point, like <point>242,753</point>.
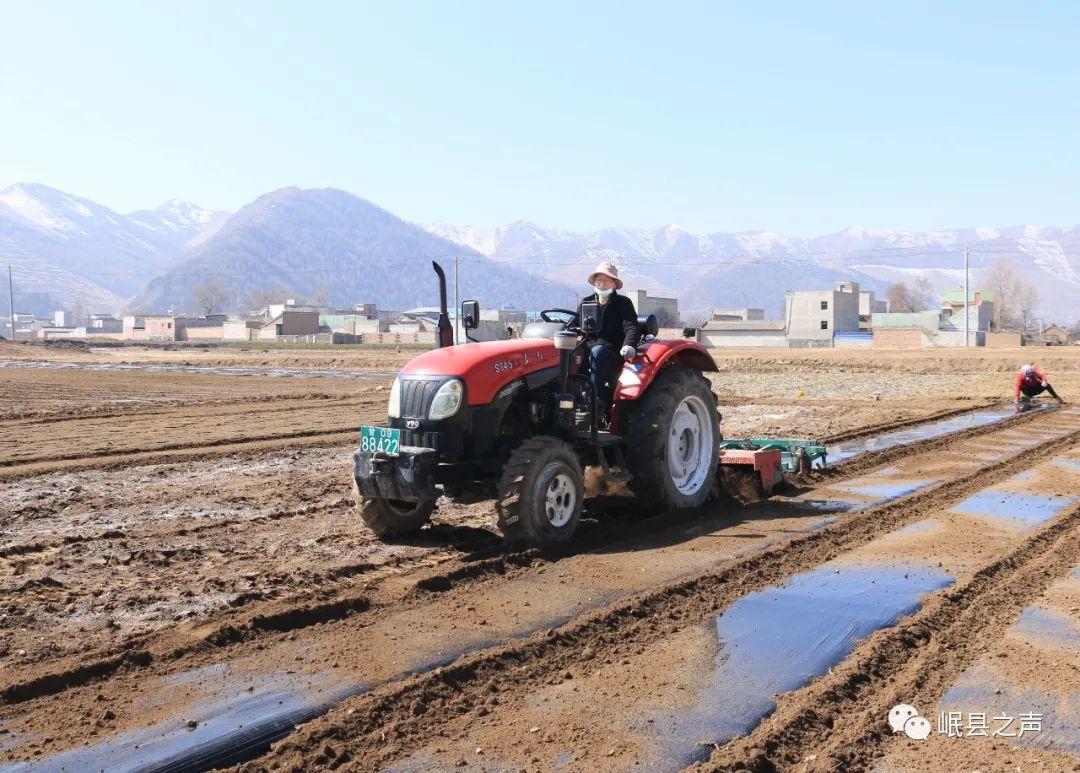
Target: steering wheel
<point>547,313</point>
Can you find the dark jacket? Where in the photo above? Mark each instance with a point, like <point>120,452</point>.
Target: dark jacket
<point>618,320</point>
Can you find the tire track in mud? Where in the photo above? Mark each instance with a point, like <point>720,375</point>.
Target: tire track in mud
<point>107,458</point>
<point>237,448</point>
<point>157,423</point>
<point>410,591</point>
<point>175,409</point>
<point>877,429</point>
<point>383,726</point>
<point>113,534</point>
<point>294,596</point>
<point>484,560</point>
<point>473,555</point>
<point>252,445</point>
<point>839,721</point>
<point>870,459</point>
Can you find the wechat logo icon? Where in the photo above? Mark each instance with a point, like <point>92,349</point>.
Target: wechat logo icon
<point>905,719</point>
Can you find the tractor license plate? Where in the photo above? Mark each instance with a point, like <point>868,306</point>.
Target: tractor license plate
<point>386,440</point>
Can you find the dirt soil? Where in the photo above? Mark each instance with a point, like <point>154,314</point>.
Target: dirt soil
<point>156,523</point>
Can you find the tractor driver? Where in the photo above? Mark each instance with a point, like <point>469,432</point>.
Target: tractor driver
<point>617,336</point>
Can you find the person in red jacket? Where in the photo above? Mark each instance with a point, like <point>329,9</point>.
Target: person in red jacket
<point>1030,382</point>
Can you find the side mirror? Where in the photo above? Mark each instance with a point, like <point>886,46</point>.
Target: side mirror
<point>470,314</point>
<point>590,317</point>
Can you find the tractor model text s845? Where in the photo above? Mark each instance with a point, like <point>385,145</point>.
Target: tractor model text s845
<point>516,421</point>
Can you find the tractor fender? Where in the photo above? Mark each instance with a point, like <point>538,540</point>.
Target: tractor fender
<point>639,373</point>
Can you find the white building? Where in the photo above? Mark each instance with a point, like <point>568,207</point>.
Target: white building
<point>495,324</point>
<point>240,329</point>
<point>815,316</point>
<point>732,314</point>
<point>868,307</point>
<point>743,333</point>
<point>943,326</point>
<point>665,309</point>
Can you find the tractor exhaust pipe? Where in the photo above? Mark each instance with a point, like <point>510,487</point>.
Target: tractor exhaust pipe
<point>444,336</point>
<point>565,343</point>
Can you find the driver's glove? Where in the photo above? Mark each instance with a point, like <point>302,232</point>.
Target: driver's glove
<point>628,352</point>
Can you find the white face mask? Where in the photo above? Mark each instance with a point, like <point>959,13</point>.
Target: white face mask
<point>605,293</point>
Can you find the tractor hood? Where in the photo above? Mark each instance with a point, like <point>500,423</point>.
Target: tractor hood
<point>488,366</point>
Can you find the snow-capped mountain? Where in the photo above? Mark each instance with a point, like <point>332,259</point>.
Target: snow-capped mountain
<point>68,250</point>
<point>65,249</point>
<point>1048,257</point>
<point>181,222</point>
<point>739,269</point>
<point>329,243</point>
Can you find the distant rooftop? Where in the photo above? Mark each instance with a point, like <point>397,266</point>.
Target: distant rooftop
<point>756,324</point>
<point>957,296</point>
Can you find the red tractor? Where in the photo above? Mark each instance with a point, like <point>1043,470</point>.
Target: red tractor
<point>516,421</point>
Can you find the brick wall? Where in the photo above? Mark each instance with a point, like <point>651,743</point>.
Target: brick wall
<point>898,338</point>
<point>1003,340</point>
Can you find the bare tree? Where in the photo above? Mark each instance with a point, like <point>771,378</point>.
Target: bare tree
<point>1001,278</point>
<point>1027,298</point>
<point>902,298</point>
<point>924,293</point>
<point>321,295</point>
<point>210,295</point>
<point>267,295</point>
<point>899,297</point>
<point>78,312</point>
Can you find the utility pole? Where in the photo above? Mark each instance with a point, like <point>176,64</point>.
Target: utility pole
<point>967,296</point>
<point>11,301</point>
<point>457,302</point>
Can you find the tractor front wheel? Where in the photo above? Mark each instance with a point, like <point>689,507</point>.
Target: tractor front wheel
<point>389,518</point>
<point>540,493</point>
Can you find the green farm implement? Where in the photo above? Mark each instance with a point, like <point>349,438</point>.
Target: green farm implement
<point>796,454</point>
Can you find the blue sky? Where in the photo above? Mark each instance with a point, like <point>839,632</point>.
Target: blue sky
<point>799,118</point>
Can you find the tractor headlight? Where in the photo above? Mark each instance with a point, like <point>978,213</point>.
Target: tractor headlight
<point>447,400</point>
<point>394,409</point>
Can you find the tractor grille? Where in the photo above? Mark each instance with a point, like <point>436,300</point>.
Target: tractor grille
<point>416,396</point>
<point>449,444</point>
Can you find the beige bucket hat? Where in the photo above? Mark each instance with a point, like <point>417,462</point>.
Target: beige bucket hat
<point>608,269</point>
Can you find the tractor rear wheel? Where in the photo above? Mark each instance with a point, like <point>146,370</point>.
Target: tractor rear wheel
<point>390,518</point>
<point>672,440</point>
<point>540,492</point>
